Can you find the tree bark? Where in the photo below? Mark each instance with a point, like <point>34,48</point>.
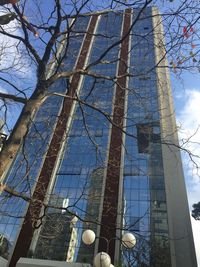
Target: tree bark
<point>12,145</point>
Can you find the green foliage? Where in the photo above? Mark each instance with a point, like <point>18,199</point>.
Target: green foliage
<point>196,211</point>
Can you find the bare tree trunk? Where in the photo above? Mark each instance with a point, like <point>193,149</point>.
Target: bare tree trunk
<point>12,145</point>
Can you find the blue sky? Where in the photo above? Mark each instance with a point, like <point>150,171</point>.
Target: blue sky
<point>187,107</point>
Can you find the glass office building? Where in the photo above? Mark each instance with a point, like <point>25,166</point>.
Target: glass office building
<point>107,161</point>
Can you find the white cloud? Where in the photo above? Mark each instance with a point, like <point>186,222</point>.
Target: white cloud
<point>2,90</point>
<point>189,134</point>
<point>15,67</point>
<point>12,57</point>
<point>189,119</point>
<point>196,231</point>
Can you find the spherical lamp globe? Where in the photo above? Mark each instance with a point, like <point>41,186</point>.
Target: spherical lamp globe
<point>128,240</point>
<point>102,259</point>
<point>88,237</point>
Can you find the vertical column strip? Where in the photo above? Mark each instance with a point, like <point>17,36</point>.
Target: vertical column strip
<point>120,212</point>
<point>33,212</point>
<point>179,224</point>
<point>110,205</point>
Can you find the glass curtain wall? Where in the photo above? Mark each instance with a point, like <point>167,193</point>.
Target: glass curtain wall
<point>26,167</point>
<point>80,175</point>
<point>145,213</point>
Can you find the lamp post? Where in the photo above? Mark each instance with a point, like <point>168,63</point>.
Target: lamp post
<point>102,259</point>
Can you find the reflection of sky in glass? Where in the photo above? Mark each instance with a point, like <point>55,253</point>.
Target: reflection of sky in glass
<point>142,171</point>
<point>84,157</point>
<point>28,162</point>
<point>86,145</point>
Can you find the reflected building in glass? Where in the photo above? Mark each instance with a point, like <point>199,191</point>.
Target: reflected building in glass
<point>112,153</point>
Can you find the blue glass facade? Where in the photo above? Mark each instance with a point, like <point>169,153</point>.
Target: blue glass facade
<point>26,167</point>
<point>80,171</point>
<point>145,212</point>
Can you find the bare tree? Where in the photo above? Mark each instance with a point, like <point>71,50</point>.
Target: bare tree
<point>54,28</point>
<point>40,72</point>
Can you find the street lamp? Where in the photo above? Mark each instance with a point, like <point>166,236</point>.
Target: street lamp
<point>102,259</point>
<point>128,240</point>
<point>88,237</point>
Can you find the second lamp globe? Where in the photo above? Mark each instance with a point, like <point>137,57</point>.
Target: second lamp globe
<point>128,240</point>
<point>88,237</point>
<point>102,259</point>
